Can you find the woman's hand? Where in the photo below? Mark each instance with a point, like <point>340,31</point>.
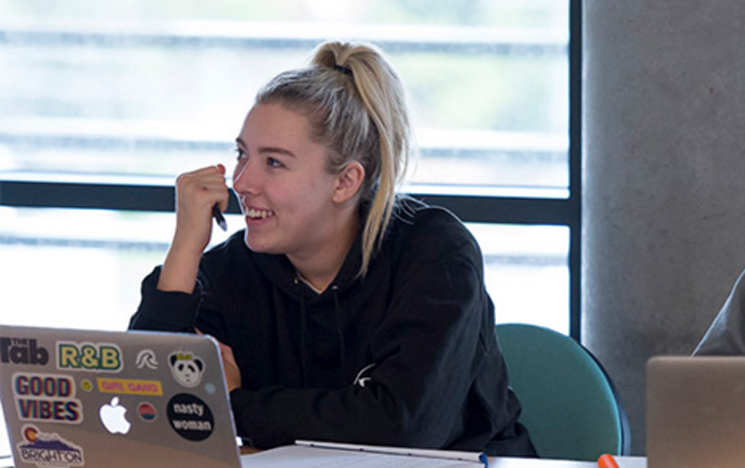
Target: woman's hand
<point>232,372</point>
<point>196,193</point>
<point>230,367</point>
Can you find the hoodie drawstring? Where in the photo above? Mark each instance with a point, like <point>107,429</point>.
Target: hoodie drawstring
<point>303,338</point>
<point>340,330</point>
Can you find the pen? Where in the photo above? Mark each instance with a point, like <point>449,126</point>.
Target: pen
<point>607,461</point>
<point>219,218</point>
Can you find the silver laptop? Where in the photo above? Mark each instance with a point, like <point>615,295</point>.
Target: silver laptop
<point>114,399</point>
<point>696,412</point>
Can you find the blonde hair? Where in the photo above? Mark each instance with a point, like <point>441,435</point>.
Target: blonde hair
<point>356,106</point>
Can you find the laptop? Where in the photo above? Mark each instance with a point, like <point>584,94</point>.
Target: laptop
<point>696,412</point>
<point>115,399</point>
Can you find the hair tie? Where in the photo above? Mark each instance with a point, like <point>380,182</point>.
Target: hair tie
<point>345,70</point>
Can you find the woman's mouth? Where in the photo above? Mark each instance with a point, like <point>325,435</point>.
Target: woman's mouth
<point>255,213</point>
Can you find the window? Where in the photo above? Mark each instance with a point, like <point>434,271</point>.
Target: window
<point>102,105</point>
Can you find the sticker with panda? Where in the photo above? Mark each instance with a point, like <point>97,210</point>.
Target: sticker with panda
<point>186,368</point>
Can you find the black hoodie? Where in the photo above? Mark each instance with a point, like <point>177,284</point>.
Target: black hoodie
<point>406,356</point>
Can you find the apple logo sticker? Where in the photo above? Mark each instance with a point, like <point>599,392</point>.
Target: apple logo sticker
<point>113,417</point>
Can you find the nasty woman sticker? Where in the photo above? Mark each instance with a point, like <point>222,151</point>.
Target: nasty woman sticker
<point>190,417</point>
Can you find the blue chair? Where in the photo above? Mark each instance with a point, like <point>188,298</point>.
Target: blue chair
<point>570,405</point>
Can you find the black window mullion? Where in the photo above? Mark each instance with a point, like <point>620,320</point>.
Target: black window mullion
<point>161,199</point>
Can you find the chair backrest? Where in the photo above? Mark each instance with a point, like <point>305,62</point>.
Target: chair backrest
<point>570,405</point>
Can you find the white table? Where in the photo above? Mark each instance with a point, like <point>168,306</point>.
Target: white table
<point>302,457</point>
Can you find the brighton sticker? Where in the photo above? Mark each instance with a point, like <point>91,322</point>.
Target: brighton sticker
<point>190,417</point>
<point>22,351</point>
<point>46,398</point>
<point>186,368</point>
<point>130,386</point>
<point>146,358</point>
<point>95,357</point>
<point>48,449</point>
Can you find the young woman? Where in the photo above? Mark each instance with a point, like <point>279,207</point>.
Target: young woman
<point>345,313</point>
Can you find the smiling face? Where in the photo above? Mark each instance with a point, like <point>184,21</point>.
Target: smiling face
<point>288,198</point>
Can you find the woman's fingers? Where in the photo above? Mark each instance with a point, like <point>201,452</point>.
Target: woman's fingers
<point>197,192</point>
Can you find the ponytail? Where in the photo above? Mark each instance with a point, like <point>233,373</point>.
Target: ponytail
<point>356,105</point>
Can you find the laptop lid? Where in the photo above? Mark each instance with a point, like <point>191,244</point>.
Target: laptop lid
<point>696,412</point>
<point>114,399</point>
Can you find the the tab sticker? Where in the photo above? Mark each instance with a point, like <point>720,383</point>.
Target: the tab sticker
<point>146,358</point>
<point>46,398</point>
<point>48,449</point>
<point>186,368</point>
<point>22,351</point>
<point>95,357</point>
<point>190,417</point>
<point>130,386</point>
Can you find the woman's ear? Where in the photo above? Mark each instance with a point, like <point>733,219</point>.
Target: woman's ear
<point>348,182</point>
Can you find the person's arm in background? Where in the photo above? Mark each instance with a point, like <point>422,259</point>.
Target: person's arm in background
<point>726,335</point>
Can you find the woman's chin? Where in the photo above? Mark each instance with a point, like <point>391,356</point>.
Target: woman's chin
<point>255,244</point>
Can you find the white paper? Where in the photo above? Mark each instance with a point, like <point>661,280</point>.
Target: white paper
<point>297,456</point>
<point>475,457</point>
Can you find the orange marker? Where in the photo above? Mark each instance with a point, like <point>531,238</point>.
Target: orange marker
<point>607,461</point>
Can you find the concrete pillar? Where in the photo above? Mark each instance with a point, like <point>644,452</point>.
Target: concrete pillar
<point>664,179</point>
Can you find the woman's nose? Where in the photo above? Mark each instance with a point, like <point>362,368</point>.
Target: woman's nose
<point>244,179</point>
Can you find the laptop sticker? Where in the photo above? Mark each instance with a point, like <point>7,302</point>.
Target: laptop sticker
<point>186,368</point>
<point>147,412</point>
<point>146,358</point>
<point>46,398</point>
<point>114,417</point>
<point>190,417</point>
<point>130,386</point>
<point>86,385</point>
<point>95,357</point>
<point>48,449</point>
<point>22,351</point>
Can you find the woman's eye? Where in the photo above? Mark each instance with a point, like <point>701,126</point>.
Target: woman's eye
<point>271,162</point>
<point>240,155</point>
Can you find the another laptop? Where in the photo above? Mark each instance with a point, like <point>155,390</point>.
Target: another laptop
<point>114,399</point>
<point>696,412</point>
